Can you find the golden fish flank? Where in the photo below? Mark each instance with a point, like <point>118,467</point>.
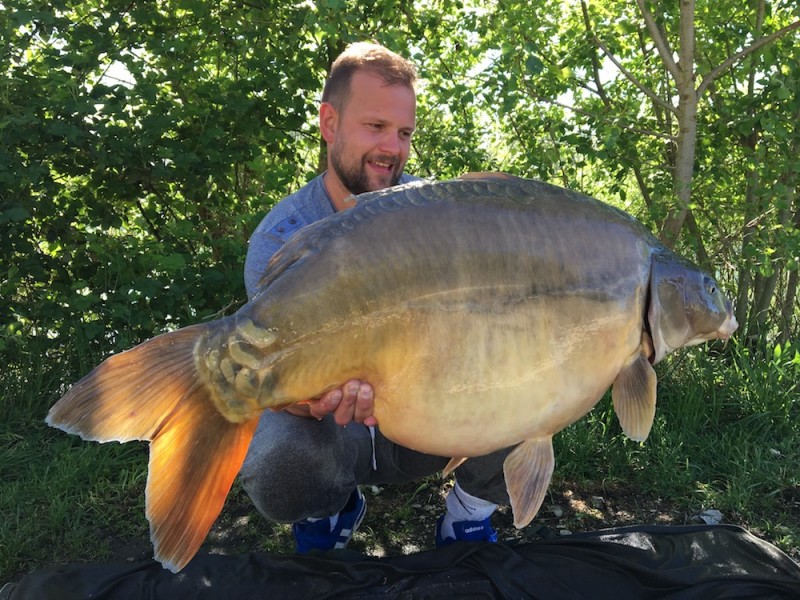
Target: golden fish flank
<point>486,313</point>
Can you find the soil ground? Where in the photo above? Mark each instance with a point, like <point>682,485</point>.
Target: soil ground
<point>401,519</point>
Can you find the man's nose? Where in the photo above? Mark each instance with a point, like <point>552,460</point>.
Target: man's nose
<point>391,143</point>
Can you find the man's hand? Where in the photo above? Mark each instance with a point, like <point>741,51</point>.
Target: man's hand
<point>353,402</point>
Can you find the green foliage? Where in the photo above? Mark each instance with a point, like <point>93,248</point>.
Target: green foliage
<point>125,202</point>
<point>59,492</point>
<point>140,144</point>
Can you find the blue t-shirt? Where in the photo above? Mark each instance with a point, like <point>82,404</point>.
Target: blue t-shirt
<point>308,204</point>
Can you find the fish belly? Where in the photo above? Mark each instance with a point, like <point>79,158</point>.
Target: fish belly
<point>471,380</point>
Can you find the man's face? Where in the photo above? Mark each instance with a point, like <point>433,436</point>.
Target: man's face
<point>372,137</point>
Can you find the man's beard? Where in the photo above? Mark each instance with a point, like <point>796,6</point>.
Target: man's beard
<point>354,176</point>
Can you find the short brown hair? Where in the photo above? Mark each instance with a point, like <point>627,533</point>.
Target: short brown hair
<point>366,56</point>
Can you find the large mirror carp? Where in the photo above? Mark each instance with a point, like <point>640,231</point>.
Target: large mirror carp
<point>486,312</point>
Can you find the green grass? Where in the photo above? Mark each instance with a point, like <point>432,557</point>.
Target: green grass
<point>59,494</point>
<point>726,436</point>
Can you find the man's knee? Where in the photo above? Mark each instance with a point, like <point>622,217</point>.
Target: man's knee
<point>483,477</point>
<point>287,487</point>
<point>298,468</point>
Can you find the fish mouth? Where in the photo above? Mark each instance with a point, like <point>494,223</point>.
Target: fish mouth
<point>730,324</point>
<point>723,332</point>
<point>727,328</point>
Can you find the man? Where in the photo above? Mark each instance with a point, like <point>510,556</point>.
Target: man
<point>304,466</point>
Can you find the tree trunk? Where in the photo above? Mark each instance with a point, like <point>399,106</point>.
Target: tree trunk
<point>687,124</point>
<point>745,284</point>
<point>788,323</point>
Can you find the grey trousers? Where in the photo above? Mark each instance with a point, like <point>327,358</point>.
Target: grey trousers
<point>298,467</point>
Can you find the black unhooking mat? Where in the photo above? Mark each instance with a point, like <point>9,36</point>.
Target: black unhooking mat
<point>702,562</point>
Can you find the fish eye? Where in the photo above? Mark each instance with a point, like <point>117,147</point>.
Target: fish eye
<point>711,286</point>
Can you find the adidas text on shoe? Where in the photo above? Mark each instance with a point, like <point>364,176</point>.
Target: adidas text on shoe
<point>466,531</point>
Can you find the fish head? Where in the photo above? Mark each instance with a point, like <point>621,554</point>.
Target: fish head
<point>686,308</point>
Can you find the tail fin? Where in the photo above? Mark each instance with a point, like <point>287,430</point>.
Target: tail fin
<point>153,392</point>
<point>194,459</point>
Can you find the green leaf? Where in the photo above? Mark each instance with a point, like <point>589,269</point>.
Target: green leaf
<point>173,262</point>
<point>533,64</point>
<point>15,214</point>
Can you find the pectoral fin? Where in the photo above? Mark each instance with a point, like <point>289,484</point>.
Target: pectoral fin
<point>454,463</point>
<point>634,397</point>
<point>528,470</point>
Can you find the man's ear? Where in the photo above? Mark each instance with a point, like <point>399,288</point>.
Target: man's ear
<point>328,121</point>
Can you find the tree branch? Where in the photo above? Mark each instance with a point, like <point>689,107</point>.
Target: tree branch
<point>632,78</point>
<point>661,43</point>
<point>686,48</point>
<point>731,60</point>
<point>591,115</point>
<point>587,23</point>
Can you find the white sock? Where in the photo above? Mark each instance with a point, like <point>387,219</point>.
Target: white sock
<point>462,506</point>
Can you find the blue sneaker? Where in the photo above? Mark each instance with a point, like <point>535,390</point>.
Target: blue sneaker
<point>318,535</point>
<point>466,531</point>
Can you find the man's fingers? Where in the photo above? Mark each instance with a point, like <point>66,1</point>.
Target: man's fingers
<point>346,409</point>
<point>364,404</point>
<point>328,403</point>
<point>354,401</point>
